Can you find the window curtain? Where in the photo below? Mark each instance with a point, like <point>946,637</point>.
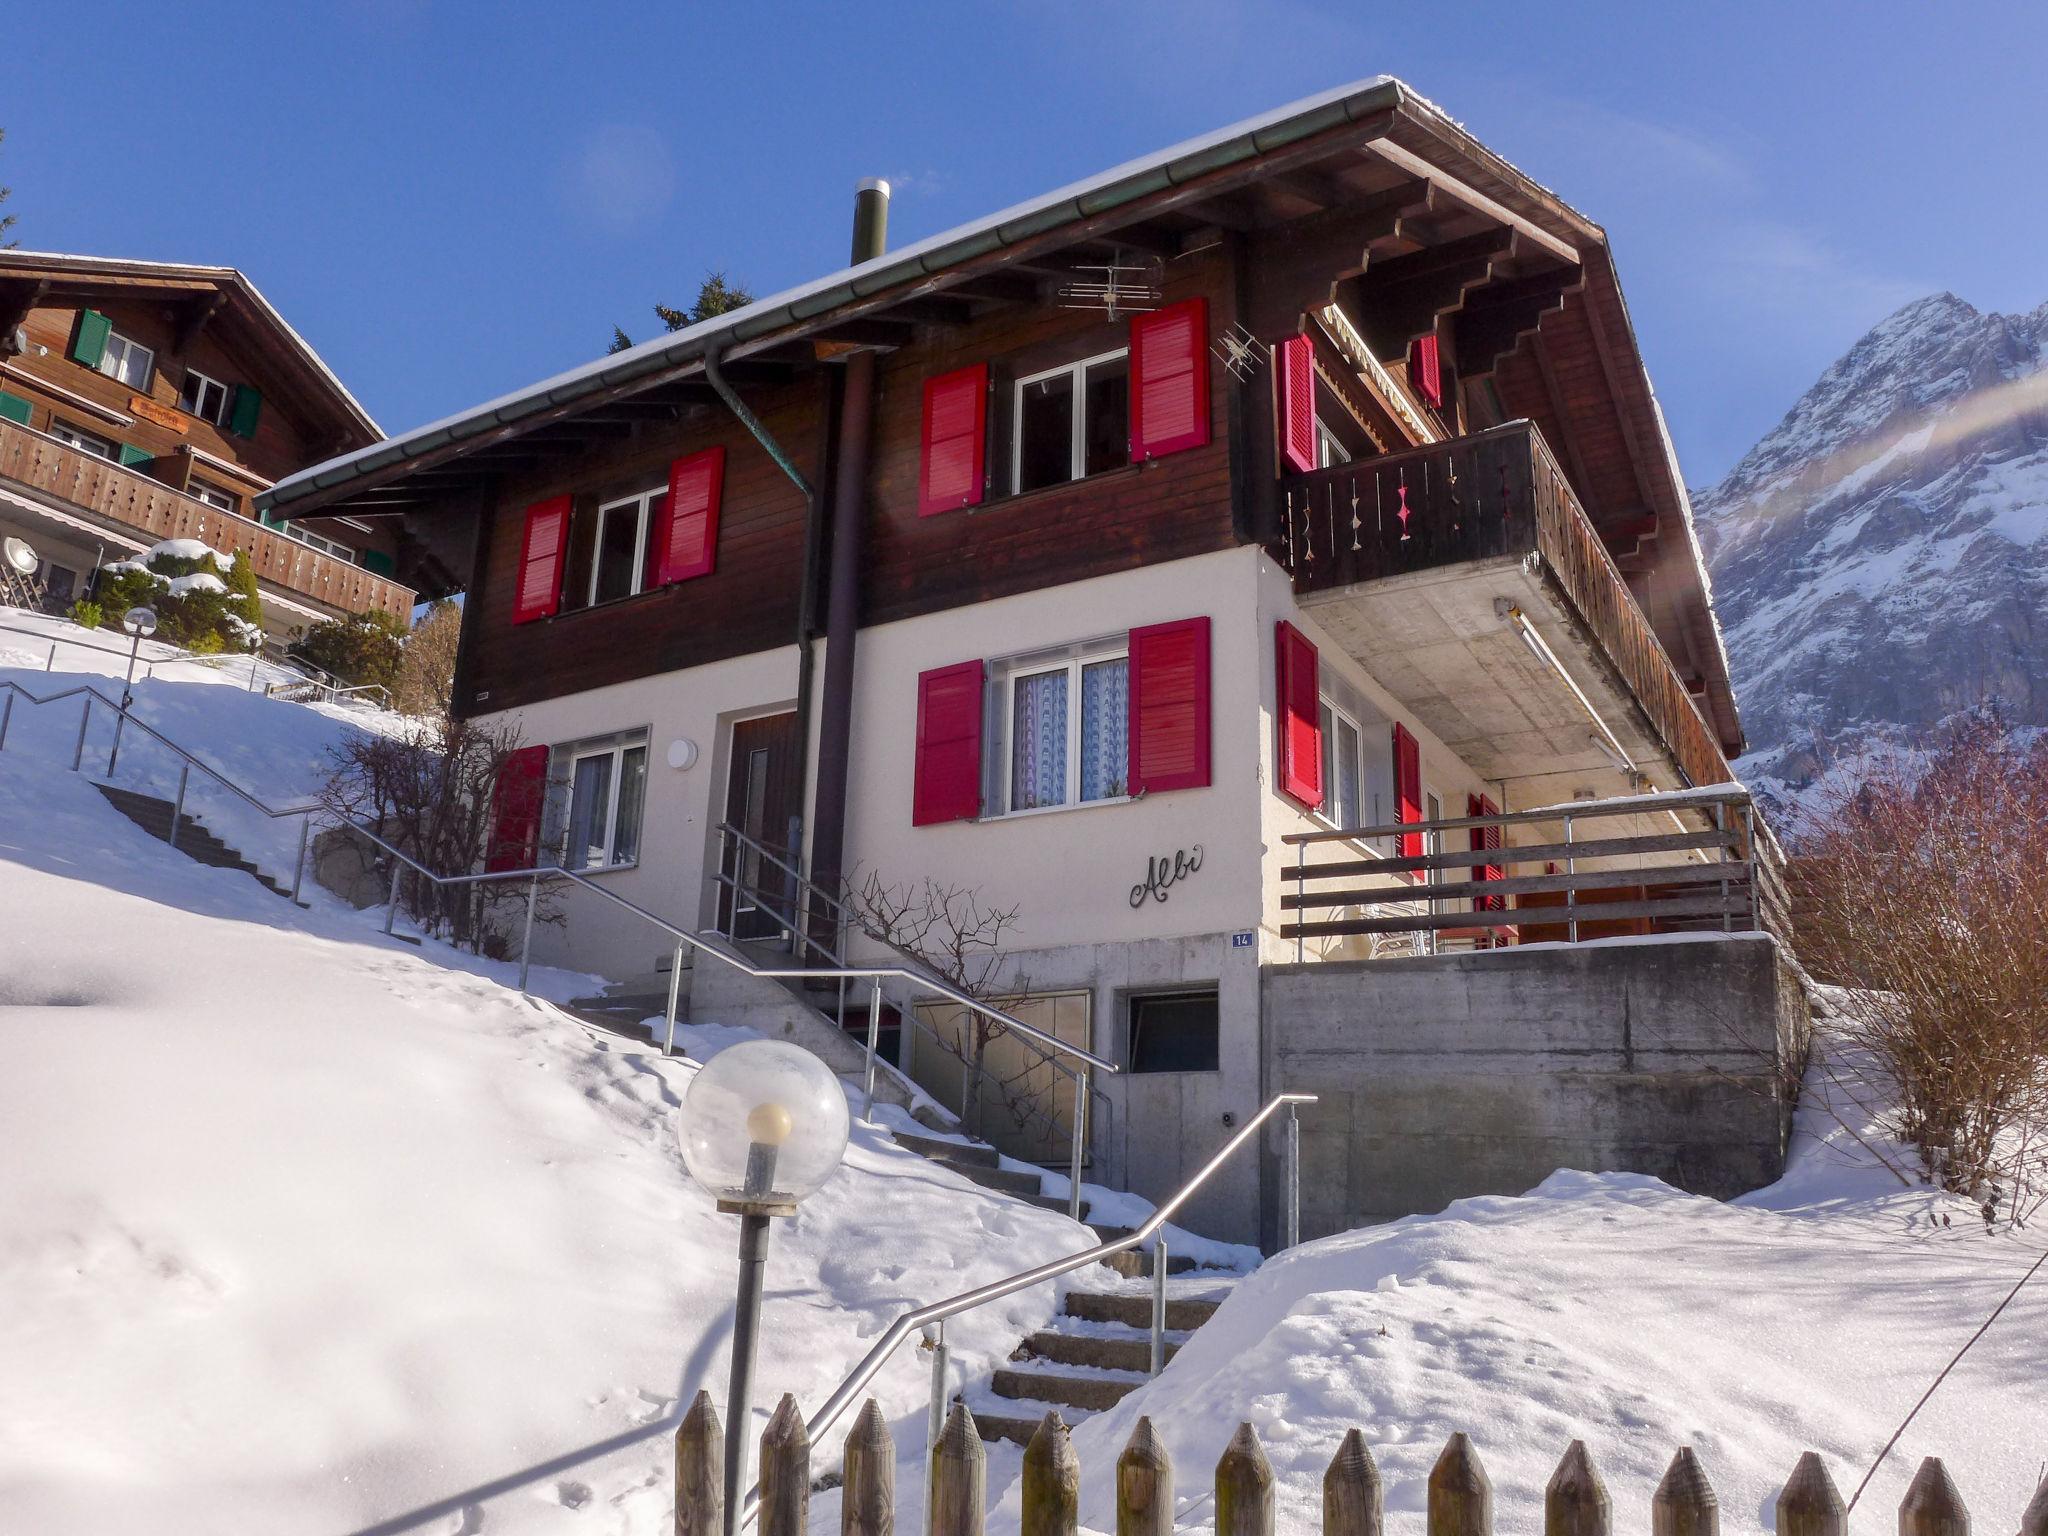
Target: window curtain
<point>1038,733</point>
<point>1105,729</point>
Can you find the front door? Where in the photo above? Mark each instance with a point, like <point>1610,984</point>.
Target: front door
<point>761,790</point>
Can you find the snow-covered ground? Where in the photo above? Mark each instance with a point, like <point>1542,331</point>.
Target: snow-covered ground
<point>305,1229</point>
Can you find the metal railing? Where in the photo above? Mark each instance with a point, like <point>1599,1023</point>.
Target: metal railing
<point>534,875</point>
<point>1722,867</point>
<point>296,681</point>
<point>792,909</point>
<point>932,1316</point>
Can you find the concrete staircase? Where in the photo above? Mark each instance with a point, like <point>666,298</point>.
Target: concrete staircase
<point>154,816</point>
<point>1099,1349</point>
<point>635,1006</point>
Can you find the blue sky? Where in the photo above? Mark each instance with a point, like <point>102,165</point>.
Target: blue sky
<point>451,200</point>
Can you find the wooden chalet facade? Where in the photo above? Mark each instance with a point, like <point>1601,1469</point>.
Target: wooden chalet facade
<point>1350,508</point>
<point>143,401</point>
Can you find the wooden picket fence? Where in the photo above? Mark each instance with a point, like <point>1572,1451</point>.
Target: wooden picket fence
<point>1575,1503</point>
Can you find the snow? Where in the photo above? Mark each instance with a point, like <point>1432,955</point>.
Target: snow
<point>198,581</point>
<point>190,549</point>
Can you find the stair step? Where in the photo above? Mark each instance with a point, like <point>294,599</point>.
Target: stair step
<point>1003,1426</point>
<point>1093,1393</point>
<point>1092,1350</point>
<point>1007,1181</point>
<point>1135,1265</point>
<point>957,1152</point>
<point>1184,1314</point>
<point>156,817</point>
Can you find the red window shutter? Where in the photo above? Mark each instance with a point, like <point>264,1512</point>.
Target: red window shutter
<point>1295,378</point>
<point>1169,379</point>
<point>948,773</point>
<point>516,799</point>
<point>1425,371</point>
<point>1483,839</point>
<point>687,541</point>
<point>1169,706</point>
<point>1299,717</point>
<point>539,592</point>
<point>1408,787</point>
<point>955,440</point>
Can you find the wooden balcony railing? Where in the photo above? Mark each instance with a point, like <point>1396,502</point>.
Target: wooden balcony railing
<point>1694,860</point>
<point>1493,494</point>
<point>147,506</point>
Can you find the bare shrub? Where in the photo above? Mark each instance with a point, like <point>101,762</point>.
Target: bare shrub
<point>425,684</point>
<point>1928,882</point>
<point>428,791</point>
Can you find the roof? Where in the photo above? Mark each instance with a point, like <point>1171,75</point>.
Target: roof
<point>230,280</point>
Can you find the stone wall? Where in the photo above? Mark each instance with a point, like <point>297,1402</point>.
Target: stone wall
<point>1453,1075</point>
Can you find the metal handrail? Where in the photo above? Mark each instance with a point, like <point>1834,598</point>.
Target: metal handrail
<point>331,689</point>
<point>1623,805</point>
<point>938,1311</point>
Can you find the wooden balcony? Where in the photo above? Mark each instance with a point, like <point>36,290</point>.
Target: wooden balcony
<point>145,506</point>
<point>1491,500</point>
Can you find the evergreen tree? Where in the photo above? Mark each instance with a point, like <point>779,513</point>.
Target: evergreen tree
<point>6,219</point>
<point>715,296</point>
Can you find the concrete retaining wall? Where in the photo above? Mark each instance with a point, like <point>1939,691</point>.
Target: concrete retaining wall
<point>1455,1075</point>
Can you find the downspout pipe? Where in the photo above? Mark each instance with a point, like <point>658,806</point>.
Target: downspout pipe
<point>807,596</point>
<point>842,612</point>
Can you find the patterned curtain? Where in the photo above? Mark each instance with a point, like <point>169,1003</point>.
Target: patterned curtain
<point>1105,729</point>
<point>1038,737</point>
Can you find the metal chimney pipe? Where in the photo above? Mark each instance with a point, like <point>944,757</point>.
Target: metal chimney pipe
<point>870,219</point>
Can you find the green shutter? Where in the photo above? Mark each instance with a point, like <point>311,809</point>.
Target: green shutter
<point>13,408</point>
<point>377,563</point>
<point>89,341</point>
<point>242,416</point>
<point>132,455</point>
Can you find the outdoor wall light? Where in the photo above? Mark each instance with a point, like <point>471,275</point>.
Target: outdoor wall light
<point>139,622</point>
<point>763,1125</point>
<point>682,754</point>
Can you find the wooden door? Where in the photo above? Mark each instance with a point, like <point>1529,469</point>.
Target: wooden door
<point>761,790</point>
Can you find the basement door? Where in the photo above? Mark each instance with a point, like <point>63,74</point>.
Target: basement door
<point>756,898</point>
<point>1024,1108</point>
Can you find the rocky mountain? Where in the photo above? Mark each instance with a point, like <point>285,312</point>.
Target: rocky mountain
<point>1880,559</point>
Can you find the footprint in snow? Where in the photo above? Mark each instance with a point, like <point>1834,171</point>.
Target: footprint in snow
<point>571,1495</point>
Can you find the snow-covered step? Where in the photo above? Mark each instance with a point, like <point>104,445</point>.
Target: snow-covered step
<point>1183,1313</point>
<point>1121,1350</point>
<point>1089,1389</point>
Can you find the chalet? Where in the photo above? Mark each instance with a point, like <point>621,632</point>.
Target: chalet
<point>1263,568</point>
<point>142,401</point>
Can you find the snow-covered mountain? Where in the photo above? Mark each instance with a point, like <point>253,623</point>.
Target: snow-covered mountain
<point>1880,559</point>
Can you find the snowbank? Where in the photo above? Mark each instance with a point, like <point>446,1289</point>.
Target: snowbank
<point>304,1231</point>
<point>1615,1309</point>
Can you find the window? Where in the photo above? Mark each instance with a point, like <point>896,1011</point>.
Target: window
<point>1174,1031</point>
<point>203,397</point>
<point>596,797</point>
<point>1069,725</point>
<point>85,442</point>
<point>1071,422</point>
<point>618,565</point>
<point>215,496</point>
<point>1329,450</point>
<point>1343,769</point>
<point>128,361</point>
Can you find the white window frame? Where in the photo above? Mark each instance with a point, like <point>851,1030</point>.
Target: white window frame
<point>206,382</point>
<point>1077,442</point>
<point>615,748</point>
<point>1330,450</point>
<point>643,503</point>
<point>213,495</point>
<point>84,441</point>
<point>299,535</point>
<point>1072,663</point>
<point>116,368</point>
<point>1328,709</point>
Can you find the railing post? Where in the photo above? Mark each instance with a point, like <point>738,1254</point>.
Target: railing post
<point>252,672</point>
<point>1721,858</point>
<point>178,807</point>
<point>1159,1302</point>
<point>1290,1157</point>
<point>299,866</point>
<point>6,714</point>
<point>1300,911</point>
<point>935,1410</point>
<point>51,664</point>
<point>1080,1143</point>
<point>675,984</point>
<point>1756,867</point>
<point>84,718</point>
<point>526,933</point>
<point>391,901</point>
<point>1571,895</point>
<point>867,1103</point>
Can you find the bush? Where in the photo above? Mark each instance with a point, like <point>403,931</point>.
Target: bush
<point>204,600</point>
<point>85,613</point>
<point>426,678</point>
<point>362,649</point>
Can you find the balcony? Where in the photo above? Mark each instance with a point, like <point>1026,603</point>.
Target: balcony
<point>1466,577</point>
<point>136,502</point>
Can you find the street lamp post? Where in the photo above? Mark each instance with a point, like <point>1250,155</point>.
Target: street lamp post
<point>140,624</point>
<point>763,1125</point>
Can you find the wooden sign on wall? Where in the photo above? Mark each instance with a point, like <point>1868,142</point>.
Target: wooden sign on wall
<point>162,415</point>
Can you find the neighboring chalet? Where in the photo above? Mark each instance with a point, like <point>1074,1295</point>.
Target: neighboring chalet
<point>1263,566</point>
<point>142,401</point>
